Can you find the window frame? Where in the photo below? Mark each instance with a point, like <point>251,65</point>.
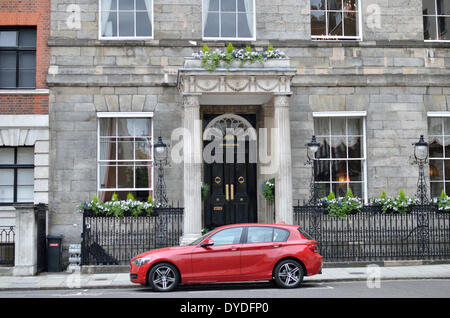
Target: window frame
<point>273,228</point>
<point>358,37</point>
<point>130,115</point>
<point>348,114</point>
<point>436,17</point>
<point>124,38</point>
<point>17,49</point>
<point>442,116</point>
<point>229,38</point>
<point>241,239</point>
<point>15,166</point>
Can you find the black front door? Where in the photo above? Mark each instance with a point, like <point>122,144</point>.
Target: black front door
<point>232,182</point>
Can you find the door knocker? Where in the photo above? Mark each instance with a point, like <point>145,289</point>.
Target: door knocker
<point>241,180</point>
<point>217,180</point>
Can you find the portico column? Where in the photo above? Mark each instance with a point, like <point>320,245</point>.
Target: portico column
<point>282,146</point>
<point>192,224</point>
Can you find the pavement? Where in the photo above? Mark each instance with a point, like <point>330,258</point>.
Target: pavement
<point>368,273</point>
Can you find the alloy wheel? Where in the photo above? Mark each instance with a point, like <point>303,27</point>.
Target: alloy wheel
<point>164,278</point>
<point>289,274</point>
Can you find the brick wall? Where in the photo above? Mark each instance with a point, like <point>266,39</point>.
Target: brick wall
<point>28,13</point>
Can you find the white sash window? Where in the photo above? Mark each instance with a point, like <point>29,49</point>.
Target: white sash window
<point>126,19</point>
<point>436,20</point>
<point>229,19</point>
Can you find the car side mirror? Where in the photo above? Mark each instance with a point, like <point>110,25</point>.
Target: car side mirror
<point>208,242</point>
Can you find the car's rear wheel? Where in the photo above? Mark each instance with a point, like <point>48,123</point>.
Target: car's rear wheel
<point>288,274</point>
<point>163,277</point>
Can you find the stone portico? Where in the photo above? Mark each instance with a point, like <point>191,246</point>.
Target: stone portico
<point>266,86</point>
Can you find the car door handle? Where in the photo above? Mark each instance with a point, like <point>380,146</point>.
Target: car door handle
<point>234,248</point>
<point>276,245</point>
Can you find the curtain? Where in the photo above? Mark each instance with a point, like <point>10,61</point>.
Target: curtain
<point>344,131</point>
<point>106,24</point>
<point>205,12</point>
<point>249,10</point>
<point>107,151</point>
<point>148,6</point>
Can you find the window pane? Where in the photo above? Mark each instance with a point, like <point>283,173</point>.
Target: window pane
<point>429,27</point>
<point>436,170</point>
<point>143,176</point>
<point>435,148</point>
<point>143,149</point>
<point>354,147</point>
<point>446,124</point>
<point>126,24</point>
<point>428,7</point>
<point>322,170</point>
<point>109,24</point>
<point>280,235</point>
<point>144,5</point>
<point>350,24</point>
<point>443,7</point>
<point>322,189</point>
<point>213,5</point>
<point>334,4</point>
<point>6,194</point>
<point>6,156</point>
<point>335,23</point>
<point>107,176</point>
<point>125,174</point>
<point>444,26</point>
<point>25,194</point>
<point>6,177</point>
<point>245,25</point>
<point>8,38</point>
<point>25,155</point>
<point>108,149</point>
<point>259,234</point>
<point>338,149</point>
<point>447,170</point>
<point>228,5</point>
<point>228,236</point>
<point>317,4</point>
<point>321,126</point>
<point>338,126</point>
<point>339,170</point>
<point>8,60</point>
<point>228,25</point>
<point>107,127</point>
<point>109,4</point>
<point>324,150</point>
<point>125,127</point>
<point>435,126</point>
<point>242,6</point>
<point>212,25</point>
<point>27,38</point>
<point>357,189</point>
<point>339,189</point>
<point>143,24</point>
<point>125,149</point>
<point>25,177</point>
<point>126,4</point>
<point>27,60</point>
<point>436,189</point>
<point>355,170</point>
<point>27,78</point>
<point>142,127</point>
<point>318,23</point>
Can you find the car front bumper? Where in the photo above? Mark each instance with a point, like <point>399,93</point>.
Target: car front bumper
<point>138,274</point>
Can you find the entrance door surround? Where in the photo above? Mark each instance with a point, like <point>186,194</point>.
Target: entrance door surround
<point>266,85</point>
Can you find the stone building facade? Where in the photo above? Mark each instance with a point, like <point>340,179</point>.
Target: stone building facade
<point>366,77</point>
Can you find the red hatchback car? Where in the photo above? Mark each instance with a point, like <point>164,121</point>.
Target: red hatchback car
<point>239,252</point>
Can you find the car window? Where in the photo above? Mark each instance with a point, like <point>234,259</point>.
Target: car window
<point>305,234</point>
<point>228,236</point>
<point>259,234</point>
<point>280,235</point>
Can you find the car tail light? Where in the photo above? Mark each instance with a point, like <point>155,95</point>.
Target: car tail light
<point>314,248</point>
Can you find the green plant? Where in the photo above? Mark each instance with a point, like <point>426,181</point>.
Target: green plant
<point>399,204</point>
<point>443,202</point>
<point>342,206</point>
<point>268,189</point>
<point>117,207</point>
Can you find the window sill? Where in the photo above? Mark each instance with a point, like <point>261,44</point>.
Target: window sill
<point>24,91</point>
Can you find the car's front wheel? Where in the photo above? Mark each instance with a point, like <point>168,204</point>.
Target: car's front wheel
<point>288,274</point>
<point>163,277</point>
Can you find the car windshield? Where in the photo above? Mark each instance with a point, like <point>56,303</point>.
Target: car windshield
<point>200,239</point>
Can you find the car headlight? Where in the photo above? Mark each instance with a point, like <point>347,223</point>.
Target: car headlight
<point>141,261</point>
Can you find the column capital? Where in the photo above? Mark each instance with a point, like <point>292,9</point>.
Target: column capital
<point>191,100</point>
<point>281,100</point>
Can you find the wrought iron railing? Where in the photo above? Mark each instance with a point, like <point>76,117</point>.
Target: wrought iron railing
<point>7,240</point>
<point>108,240</point>
<point>370,235</point>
